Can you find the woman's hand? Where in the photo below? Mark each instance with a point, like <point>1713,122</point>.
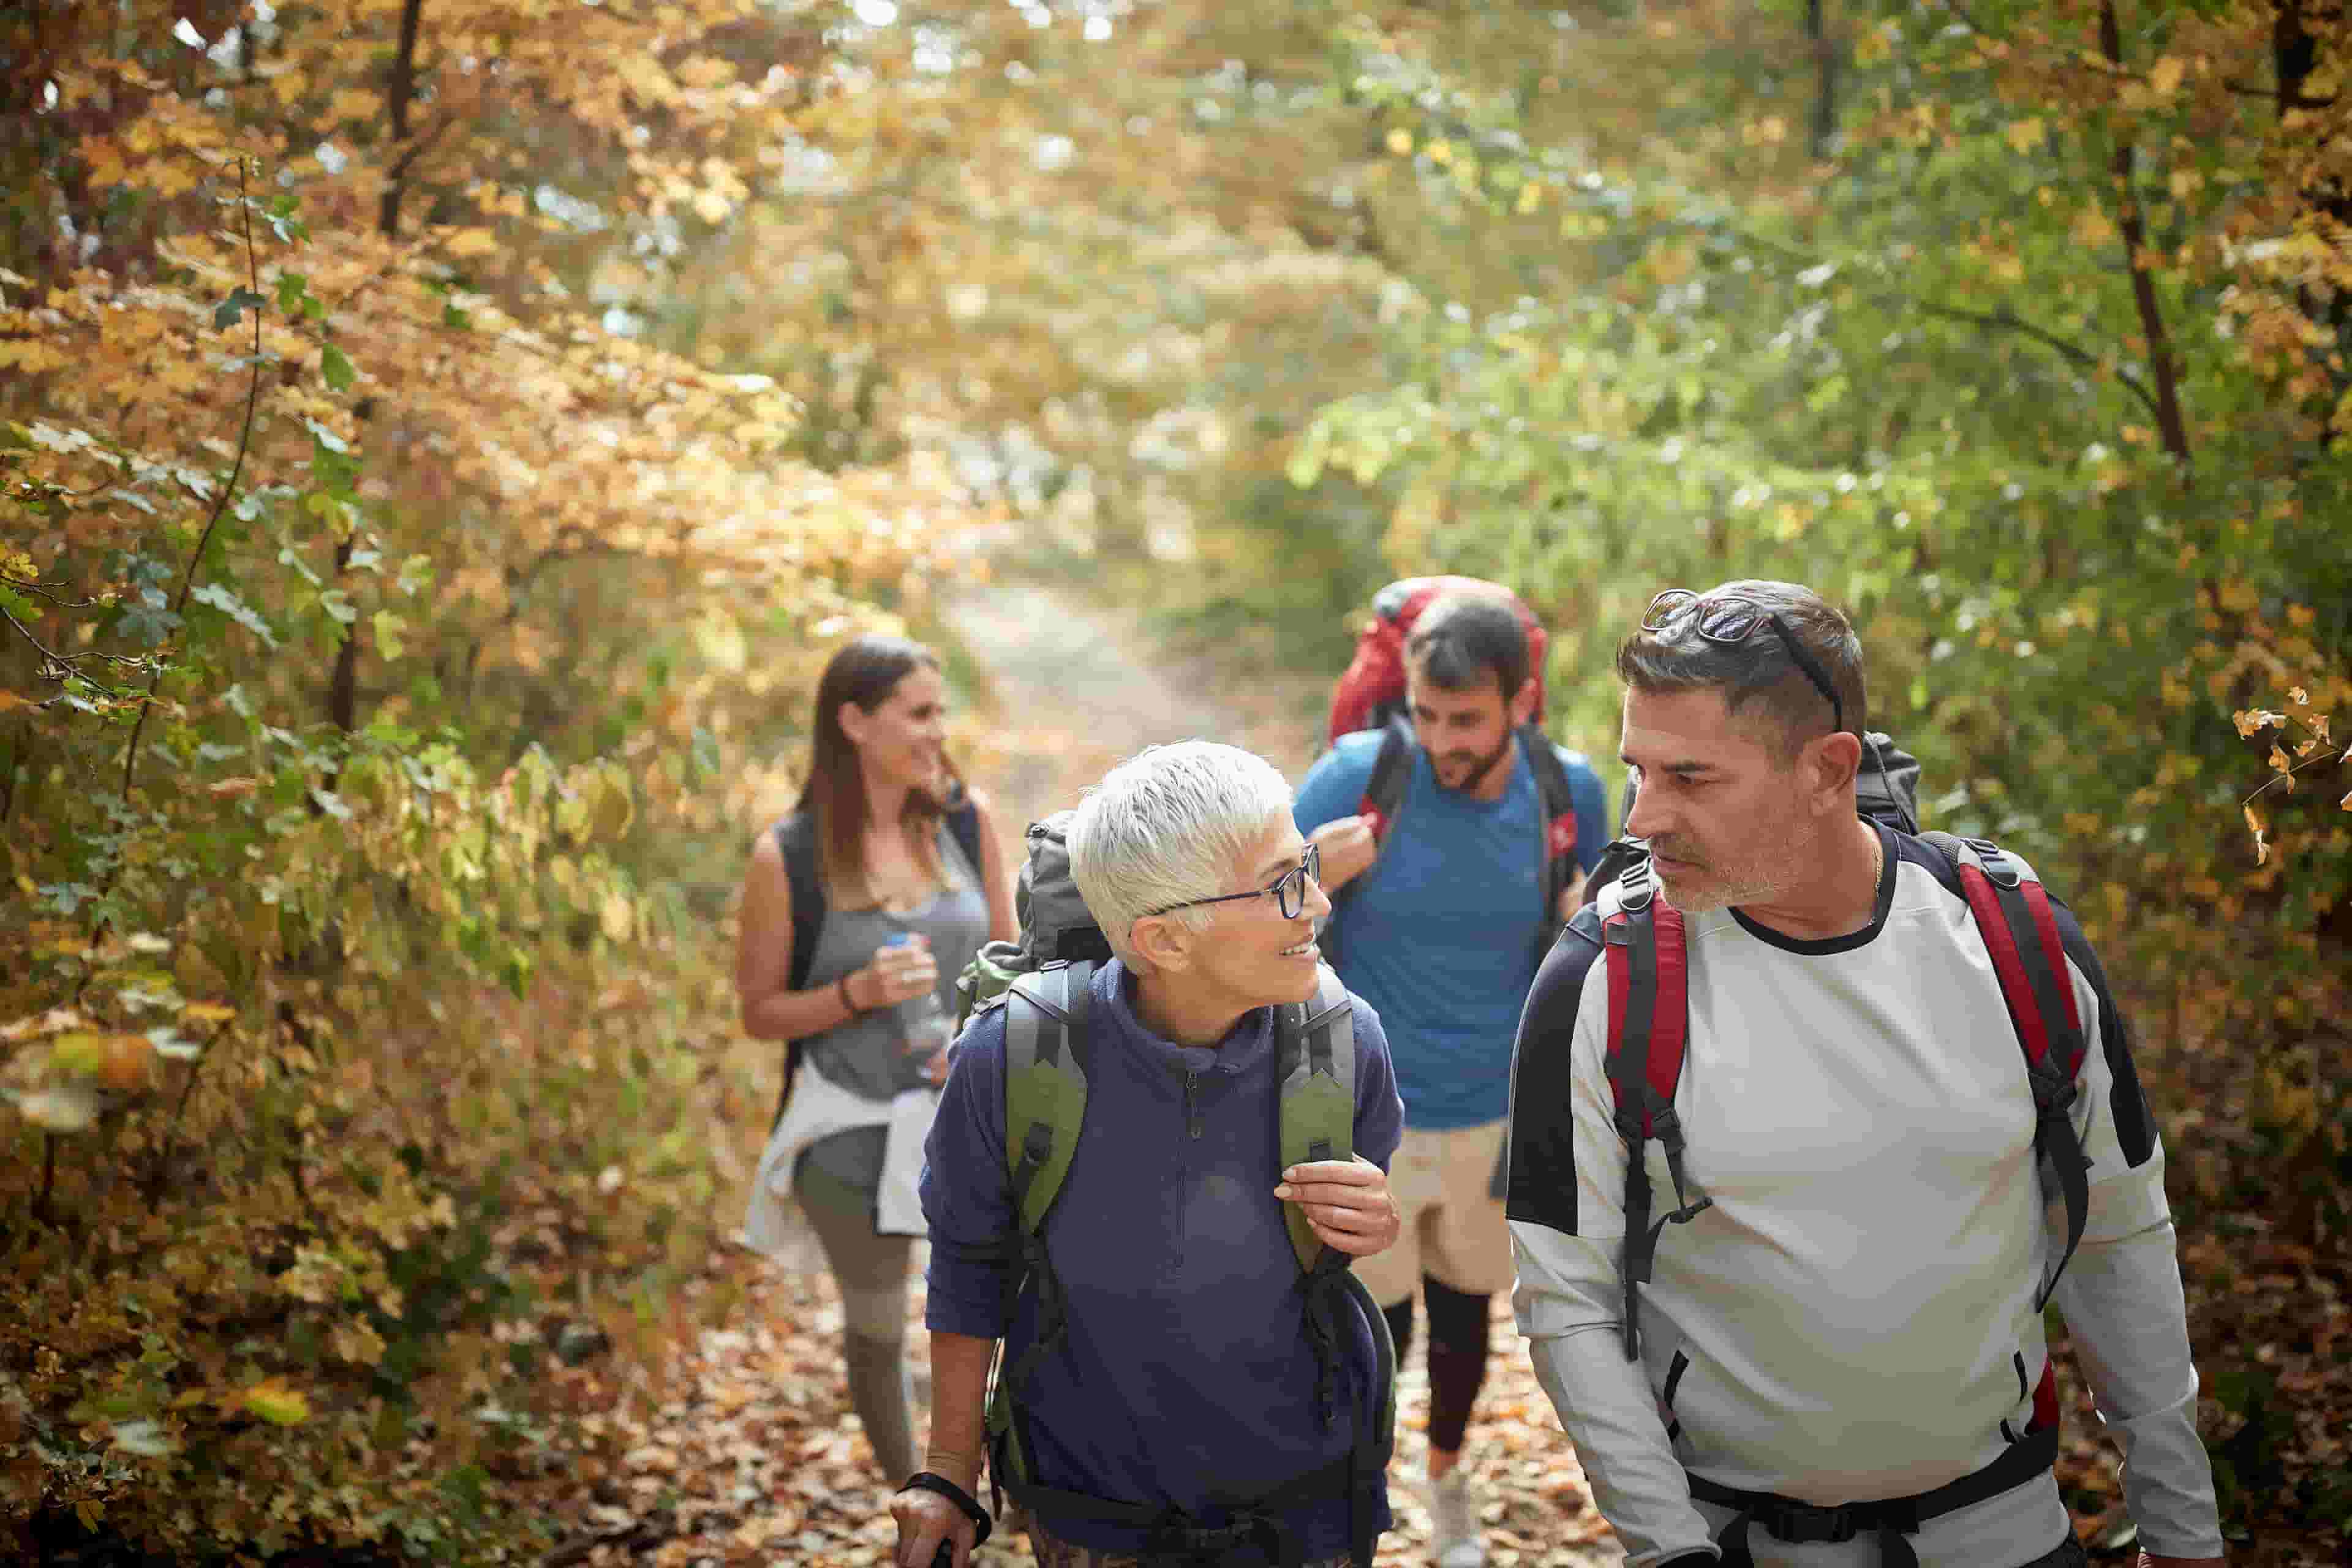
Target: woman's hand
<point>925,1519</point>
<point>896,974</point>
<point>1346,1202</point>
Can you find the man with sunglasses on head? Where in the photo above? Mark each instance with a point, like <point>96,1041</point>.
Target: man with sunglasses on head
<point>1440,925</point>
<point>1836,1357</point>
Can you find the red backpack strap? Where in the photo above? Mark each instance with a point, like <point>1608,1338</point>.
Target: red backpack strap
<point>2014,916</point>
<point>1643,942</point>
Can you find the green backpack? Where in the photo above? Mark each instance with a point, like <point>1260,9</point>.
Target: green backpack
<point>1041,981</point>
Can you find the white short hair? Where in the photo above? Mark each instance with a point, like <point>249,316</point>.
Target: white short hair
<point>1167,826</point>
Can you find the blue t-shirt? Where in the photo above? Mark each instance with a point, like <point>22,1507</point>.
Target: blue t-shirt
<point>1440,932</point>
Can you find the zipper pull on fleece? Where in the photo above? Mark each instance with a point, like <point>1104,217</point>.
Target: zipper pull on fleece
<point>1192,1105</point>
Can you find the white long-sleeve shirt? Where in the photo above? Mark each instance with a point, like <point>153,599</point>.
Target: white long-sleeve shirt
<point>1854,1318</point>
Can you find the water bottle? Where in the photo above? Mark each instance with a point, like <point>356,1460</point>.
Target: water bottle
<point>924,1027</point>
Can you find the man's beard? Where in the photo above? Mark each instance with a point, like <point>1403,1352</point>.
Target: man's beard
<point>1480,766</point>
<point>1711,886</point>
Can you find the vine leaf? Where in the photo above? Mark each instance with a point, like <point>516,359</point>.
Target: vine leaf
<point>230,311</point>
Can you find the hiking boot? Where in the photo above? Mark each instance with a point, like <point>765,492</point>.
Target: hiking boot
<point>1452,1529</point>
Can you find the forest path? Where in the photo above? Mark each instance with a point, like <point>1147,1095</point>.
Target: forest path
<point>748,1436</point>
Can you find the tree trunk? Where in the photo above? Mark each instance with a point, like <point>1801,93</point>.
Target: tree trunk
<point>1825,64</point>
<point>2171,427</point>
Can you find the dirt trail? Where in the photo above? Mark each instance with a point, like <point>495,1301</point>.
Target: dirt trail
<point>1074,692</point>
<point>751,1455</point>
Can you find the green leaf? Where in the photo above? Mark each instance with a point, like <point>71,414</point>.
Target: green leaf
<point>291,286</point>
<point>336,366</point>
<point>237,610</point>
<point>389,630</point>
<point>240,300</point>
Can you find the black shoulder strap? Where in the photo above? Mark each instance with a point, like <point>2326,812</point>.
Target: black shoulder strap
<point>796,837</point>
<point>1555,829</point>
<point>963,826</point>
<point>1384,792</point>
<point>1552,775</point>
<point>1383,798</point>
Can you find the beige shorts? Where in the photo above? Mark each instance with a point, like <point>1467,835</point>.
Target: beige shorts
<point>1452,1231</point>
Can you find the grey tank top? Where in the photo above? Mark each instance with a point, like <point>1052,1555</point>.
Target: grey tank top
<point>868,1055</point>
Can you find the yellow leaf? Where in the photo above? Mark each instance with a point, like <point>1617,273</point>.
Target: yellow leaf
<point>10,700</point>
<point>1400,141</point>
<point>2025,135</point>
<point>2280,761</point>
<point>617,916</point>
<point>466,242</point>
<point>275,1403</point>
<point>82,1055</point>
<point>208,1012</point>
<point>50,1023</point>
<point>2299,697</point>
<point>2165,77</point>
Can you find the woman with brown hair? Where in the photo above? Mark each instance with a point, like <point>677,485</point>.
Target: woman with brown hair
<point>858,911</point>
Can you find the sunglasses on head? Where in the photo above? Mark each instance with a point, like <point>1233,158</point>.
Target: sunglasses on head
<point>1731,618</point>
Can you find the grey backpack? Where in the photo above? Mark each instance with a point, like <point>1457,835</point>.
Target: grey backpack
<point>1054,924</point>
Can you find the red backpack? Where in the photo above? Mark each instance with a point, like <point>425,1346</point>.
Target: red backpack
<point>1372,691</point>
<point>1642,944</point>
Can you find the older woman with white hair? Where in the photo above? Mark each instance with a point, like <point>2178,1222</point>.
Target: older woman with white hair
<point>1185,1394</point>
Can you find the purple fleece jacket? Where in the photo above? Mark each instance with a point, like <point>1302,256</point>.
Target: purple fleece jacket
<point>1187,1372</point>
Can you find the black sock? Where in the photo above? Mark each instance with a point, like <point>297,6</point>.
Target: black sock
<point>1457,1360</point>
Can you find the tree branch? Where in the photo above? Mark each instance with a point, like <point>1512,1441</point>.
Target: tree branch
<point>49,660</point>
<point>2170,422</point>
<point>404,81</point>
<point>228,489</point>
<point>2008,320</point>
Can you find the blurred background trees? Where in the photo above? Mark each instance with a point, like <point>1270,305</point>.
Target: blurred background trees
<point>444,437</point>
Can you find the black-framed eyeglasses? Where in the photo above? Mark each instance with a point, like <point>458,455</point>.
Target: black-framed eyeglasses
<point>1731,618</point>
<point>1288,890</point>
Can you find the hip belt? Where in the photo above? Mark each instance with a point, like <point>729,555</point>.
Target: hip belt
<point>1891,1519</point>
